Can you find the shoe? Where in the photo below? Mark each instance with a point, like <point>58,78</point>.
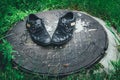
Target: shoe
<point>64,30</point>
<point>37,30</point>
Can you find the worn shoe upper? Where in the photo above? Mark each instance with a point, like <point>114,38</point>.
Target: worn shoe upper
<point>64,30</point>
<point>37,30</point>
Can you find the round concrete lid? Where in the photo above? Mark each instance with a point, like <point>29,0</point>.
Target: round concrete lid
<point>87,46</point>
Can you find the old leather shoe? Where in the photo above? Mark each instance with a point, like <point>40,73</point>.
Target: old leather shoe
<point>37,30</point>
<point>64,30</point>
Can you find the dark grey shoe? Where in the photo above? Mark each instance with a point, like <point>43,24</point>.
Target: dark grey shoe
<point>37,30</point>
<point>64,30</point>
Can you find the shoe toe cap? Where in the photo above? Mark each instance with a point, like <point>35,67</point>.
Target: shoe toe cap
<point>58,40</point>
<point>47,41</point>
<point>55,40</point>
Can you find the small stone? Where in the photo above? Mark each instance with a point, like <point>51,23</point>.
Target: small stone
<point>66,65</point>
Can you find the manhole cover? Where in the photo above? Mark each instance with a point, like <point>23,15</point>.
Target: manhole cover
<point>87,46</point>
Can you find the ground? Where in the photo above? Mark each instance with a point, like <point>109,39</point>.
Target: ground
<point>14,11</point>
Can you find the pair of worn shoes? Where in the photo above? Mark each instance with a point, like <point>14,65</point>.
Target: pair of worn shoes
<point>62,34</point>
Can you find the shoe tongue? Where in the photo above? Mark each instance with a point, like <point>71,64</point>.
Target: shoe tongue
<point>35,21</point>
<point>38,21</point>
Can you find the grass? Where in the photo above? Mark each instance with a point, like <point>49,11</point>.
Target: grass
<point>15,10</point>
